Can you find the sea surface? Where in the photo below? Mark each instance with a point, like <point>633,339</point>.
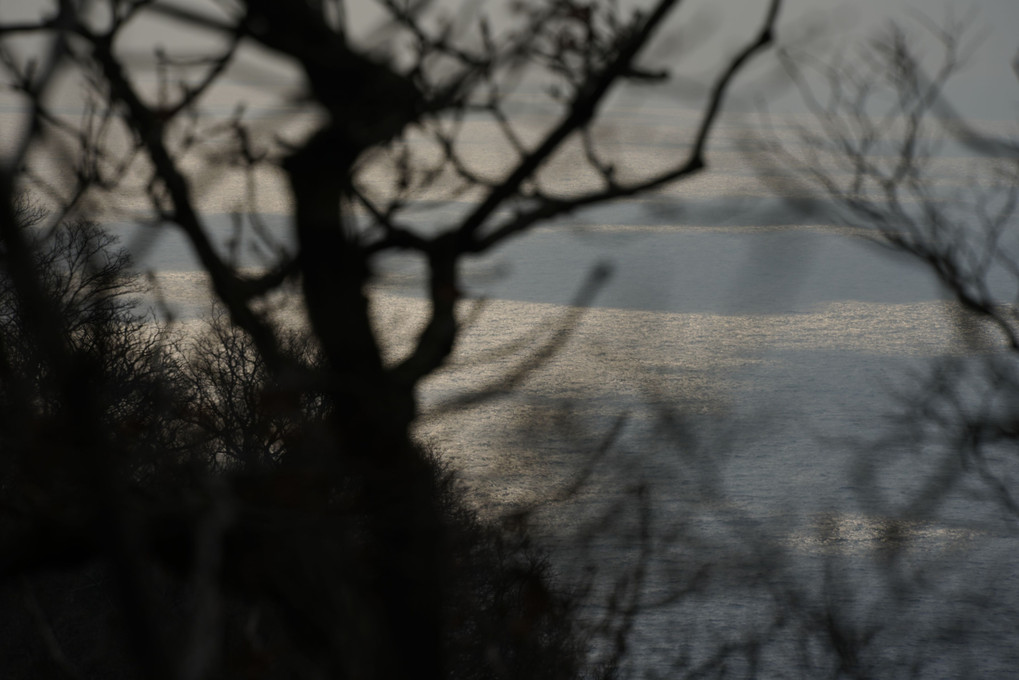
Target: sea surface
<point>719,440</point>
<point>739,443</point>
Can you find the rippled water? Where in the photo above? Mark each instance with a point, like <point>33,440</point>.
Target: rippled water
<point>724,418</point>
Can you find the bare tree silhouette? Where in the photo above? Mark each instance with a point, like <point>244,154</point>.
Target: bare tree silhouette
<point>296,528</point>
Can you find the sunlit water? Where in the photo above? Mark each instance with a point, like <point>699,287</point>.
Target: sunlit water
<point>722,416</point>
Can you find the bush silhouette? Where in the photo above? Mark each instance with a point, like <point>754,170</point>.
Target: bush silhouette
<point>250,564</point>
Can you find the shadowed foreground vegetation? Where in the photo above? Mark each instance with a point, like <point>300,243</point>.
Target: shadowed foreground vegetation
<point>210,516</point>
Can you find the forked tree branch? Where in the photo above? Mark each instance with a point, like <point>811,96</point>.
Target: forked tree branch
<point>437,340</point>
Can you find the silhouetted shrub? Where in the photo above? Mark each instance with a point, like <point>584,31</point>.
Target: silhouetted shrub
<point>219,528</point>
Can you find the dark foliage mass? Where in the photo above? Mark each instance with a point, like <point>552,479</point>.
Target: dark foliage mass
<point>232,532</point>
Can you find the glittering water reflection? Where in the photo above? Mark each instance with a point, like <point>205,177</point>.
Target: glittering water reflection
<point>740,433</point>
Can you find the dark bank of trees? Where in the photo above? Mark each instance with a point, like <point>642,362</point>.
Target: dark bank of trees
<point>250,502</point>
<point>191,537</point>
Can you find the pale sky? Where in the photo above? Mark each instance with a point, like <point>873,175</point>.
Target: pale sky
<point>989,88</point>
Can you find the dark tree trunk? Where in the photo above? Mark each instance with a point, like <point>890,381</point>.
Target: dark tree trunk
<point>372,419</point>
